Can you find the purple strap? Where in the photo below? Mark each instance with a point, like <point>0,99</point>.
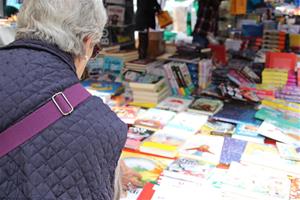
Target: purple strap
<point>61,104</point>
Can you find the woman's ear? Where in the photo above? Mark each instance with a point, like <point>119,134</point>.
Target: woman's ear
<point>88,46</point>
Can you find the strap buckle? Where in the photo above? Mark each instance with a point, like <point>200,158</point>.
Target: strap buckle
<point>59,107</point>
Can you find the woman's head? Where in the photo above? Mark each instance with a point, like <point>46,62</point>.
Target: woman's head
<point>65,23</point>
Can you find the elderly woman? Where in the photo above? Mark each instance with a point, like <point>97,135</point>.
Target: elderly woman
<point>74,157</point>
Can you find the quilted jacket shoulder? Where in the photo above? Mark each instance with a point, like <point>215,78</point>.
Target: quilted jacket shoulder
<point>75,157</point>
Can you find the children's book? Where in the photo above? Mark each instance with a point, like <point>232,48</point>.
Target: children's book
<point>219,128</point>
<point>232,150</point>
<point>256,182</point>
<point>295,189</point>
<point>154,118</point>
<point>112,88</point>
<point>176,104</point>
<point>248,133</point>
<point>163,143</point>
<point>206,106</point>
<point>288,136</point>
<point>203,147</point>
<point>268,156</point>
<point>188,170</point>
<point>289,152</point>
<point>127,114</point>
<point>186,123</point>
<point>150,167</point>
<point>135,136</point>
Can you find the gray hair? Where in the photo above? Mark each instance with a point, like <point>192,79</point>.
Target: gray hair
<point>65,23</point>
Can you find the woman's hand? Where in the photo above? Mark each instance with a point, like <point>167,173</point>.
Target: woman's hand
<point>130,178</point>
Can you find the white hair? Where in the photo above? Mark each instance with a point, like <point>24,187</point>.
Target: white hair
<point>65,23</point>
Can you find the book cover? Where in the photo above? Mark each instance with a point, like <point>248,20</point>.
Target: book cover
<point>163,143</point>
<point>150,167</point>
<point>186,123</point>
<point>288,152</point>
<point>116,15</point>
<point>232,150</point>
<point>154,118</point>
<point>288,136</point>
<point>203,147</point>
<point>112,88</point>
<point>213,127</point>
<point>135,136</point>
<point>206,106</point>
<point>176,104</point>
<point>256,182</point>
<point>127,114</point>
<point>236,112</point>
<point>295,189</point>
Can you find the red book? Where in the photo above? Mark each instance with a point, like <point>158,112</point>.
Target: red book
<point>147,192</point>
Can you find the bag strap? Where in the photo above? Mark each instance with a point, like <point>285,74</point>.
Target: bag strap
<point>61,104</point>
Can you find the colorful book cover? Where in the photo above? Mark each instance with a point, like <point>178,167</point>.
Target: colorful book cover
<point>295,189</point>
<point>232,150</point>
<point>154,118</point>
<point>256,182</point>
<point>127,114</point>
<point>289,152</point>
<point>176,104</point>
<point>235,112</point>
<point>246,129</point>
<point>112,63</point>
<point>116,15</point>
<point>268,156</point>
<point>213,127</point>
<point>112,88</point>
<point>150,167</point>
<point>163,143</point>
<point>288,136</point>
<point>186,123</point>
<point>135,136</point>
<point>206,106</point>
<point>203,147</point>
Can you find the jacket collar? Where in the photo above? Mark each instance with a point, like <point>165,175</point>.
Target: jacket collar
<point>43,46</point>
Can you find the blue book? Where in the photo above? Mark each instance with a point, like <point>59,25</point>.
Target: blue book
<point>113,88</point>
<point>232,150</point>
<point>239,113</point>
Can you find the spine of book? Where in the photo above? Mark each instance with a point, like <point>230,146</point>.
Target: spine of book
<point>171,79</point>
<point>177,78</point>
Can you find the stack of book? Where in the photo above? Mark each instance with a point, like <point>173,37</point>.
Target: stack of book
<point>179,78</point>
<point>149,89</point>
<point>125,55</point>
<point>289,93</point>
<point>204,73</point>
<point>274,40</point>
<point>276,77</point>
<point>140,65</point>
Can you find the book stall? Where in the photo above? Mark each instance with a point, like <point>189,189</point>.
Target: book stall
<point>217,120</point>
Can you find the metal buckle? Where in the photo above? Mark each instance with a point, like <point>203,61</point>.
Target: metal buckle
<point>66,100</point>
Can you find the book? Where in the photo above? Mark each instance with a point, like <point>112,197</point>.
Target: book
<point>135,136</point>
<point>205,106</point>
<point>248,133</point>
<point>149,167</point>
<point>127,114</point>
<point>219,128</point>
<point>116,15</point>
<point>148,86</point>
<point>232,150</point>
<point>237,112</point>
<point>295,189</point>
<point>256,182</point>
<point>203,147</point>
<point>163,143</point>
<point>186,123</point>
<point>176,104</point>
<point>287,136</point>
<point>288,152</point>
<point>268,156</point>
<point>154,118</point>
<point>188,169</point>
<point>95,87</point>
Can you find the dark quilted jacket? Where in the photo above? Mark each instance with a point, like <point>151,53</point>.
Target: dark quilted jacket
<point>75,157</point>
